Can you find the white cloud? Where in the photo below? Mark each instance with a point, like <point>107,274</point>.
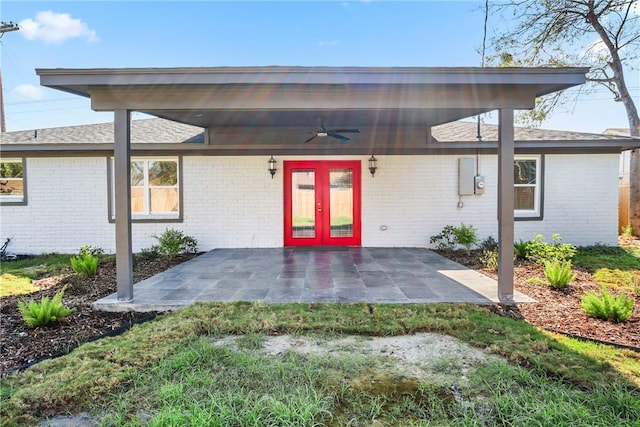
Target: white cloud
<point>52,27</point>
<point>29,92</point>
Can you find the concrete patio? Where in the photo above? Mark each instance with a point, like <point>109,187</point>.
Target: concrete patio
<point>333,275</point>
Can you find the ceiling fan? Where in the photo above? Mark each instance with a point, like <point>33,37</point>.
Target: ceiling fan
<point>334,133</point>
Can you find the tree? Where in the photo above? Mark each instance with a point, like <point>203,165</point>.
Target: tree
<point>601,34</point>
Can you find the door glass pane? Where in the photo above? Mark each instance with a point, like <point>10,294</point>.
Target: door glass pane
<point>303,200</point>
<point>341,202</point>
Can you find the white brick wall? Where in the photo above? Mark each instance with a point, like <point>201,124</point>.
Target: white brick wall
<point>233,202</point>
<point>581,200</point>
<point>67,207</point>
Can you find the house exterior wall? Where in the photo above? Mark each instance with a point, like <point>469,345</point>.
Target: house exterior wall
<point>232,202</point>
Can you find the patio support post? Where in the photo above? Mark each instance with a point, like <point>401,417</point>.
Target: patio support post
<point>505,204</point>
<point>122,192</point>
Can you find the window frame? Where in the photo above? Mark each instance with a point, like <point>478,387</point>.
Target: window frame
<point>147,216</point>
<point>9,200</point>
<point>537,213</point>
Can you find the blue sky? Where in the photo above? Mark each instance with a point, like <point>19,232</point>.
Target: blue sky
<point>91,34</point>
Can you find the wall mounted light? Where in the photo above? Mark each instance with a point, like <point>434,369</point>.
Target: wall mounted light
<point>373,165</point>
<point>272,166</point>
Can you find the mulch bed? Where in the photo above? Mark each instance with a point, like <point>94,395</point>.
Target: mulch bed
<point>559,310</point>
<point>21,346</point>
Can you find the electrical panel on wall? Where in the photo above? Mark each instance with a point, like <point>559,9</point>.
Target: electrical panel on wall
<point>469,183</point>
<point>466,174</point>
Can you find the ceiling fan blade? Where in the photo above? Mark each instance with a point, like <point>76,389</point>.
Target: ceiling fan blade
<point>310,139</point>
<point>345,130</point>
<point>340,137</point>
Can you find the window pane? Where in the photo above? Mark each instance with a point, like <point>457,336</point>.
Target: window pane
<point>11,187</point>
<point>163,173</point>
<point>164,200</point>
<point>524,171</point>
<point>524,198</point>
<point>137,173</point>
<point>11,170</point>
<point>11,181</point>
<point>341,202</point>
<point>137,200</point>
<point>303,203</point>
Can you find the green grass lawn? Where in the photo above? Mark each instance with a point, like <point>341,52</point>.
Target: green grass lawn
<point>168,372</point>
<point>16,276</point>
<point>614,267</point>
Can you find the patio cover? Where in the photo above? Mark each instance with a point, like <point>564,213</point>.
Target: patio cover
<point>276,98</point>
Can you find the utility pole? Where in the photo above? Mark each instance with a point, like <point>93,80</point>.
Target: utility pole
<point>4,28</point>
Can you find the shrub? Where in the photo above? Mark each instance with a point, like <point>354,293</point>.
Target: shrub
<point>489,259</point>
<point>450,236</point>
<point>488,244</point>
<point>521,249</point>
<point>541,252</point>
<point>91,250</point>
<point>445,240</point>
<point>85,265</point>
<point>466,235</point>
<point>44,312</point>
<point>607,306</point>
<point>172,243</point>
<point>558,273</point>
<point>150,252</point>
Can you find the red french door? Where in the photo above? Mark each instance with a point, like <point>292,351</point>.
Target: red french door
<point>322,203</point>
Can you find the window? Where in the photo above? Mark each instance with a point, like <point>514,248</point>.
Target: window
<point>527,173</point>
<point>155,189</point>
<point>12,181</point>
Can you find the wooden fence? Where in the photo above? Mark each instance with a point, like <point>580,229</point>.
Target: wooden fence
<point>623,209</point>
<point>304,207</point>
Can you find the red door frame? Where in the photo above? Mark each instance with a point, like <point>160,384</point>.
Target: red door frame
<point>322,219</point>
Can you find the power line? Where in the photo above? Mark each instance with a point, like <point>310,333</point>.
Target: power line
<point>43,101</point>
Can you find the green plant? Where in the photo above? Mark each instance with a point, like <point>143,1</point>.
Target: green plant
<point>91,250</point>
<point>466,235</point>
<point>521,249</point>
<point>445,240</point>
<point>488,244</point>
<point>44,312</point>
<point>172,243</point>
<point>607,306</point>
<point>627,231</point>
<point>540,251</point>
<point>489,259</point>
<point>558,273</point>
<point>85,265</point>
<point>150,252</point>
<point>450,236</point>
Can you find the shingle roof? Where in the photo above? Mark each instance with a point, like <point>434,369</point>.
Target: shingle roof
<point>142,131</point>
<point>462,131</point>
<point>158,130</point>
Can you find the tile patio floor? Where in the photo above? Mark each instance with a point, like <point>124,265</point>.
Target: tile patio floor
<point>335,275</point>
